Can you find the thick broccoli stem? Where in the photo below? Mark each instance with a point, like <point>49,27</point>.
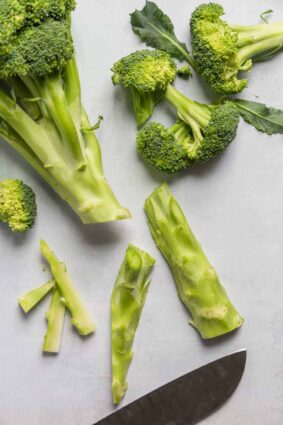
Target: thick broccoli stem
<point>33,297</point>
<point>128,298</point>
<point>51,91</point>
<point>197,283</point>
<point>81,318</point>
<point>254,33</point>
<point>195,114</point>
<point>22,93</point>
<point>259,48</point>
<point>143,104</point>
<point>55,319</point>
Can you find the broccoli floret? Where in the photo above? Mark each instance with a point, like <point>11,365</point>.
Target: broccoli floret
<point>184,72</point>
<point>17,205</point>
<point>147,73</point>
<point>41,114</point>
<point>165,149</point>
<point>221,51</point>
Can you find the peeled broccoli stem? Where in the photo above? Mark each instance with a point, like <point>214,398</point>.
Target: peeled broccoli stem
<point>81,318</point>
<point>65,152</point>
<point>195,114</point>
<point>257,40</point>
<point>55,324</point>
<point>128,298</point>
<point>29,300</point>
<point>197,283</point>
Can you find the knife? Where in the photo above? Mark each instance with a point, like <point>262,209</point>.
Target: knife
<point>187,399</point>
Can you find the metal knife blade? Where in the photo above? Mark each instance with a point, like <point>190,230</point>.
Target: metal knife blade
<point>187,399</point>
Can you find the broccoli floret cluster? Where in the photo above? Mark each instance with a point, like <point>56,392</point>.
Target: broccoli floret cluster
<point>221,51</point>
<point>147,73</point>
<point>17,205</point>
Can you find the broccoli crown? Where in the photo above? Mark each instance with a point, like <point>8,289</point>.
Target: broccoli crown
<point>38,51</point>
<point>145,70</point>
<point>215,49</point>
<point>39,10</point>
<point>220,131</point>
<point>164,149</point>
<point>17,205</point>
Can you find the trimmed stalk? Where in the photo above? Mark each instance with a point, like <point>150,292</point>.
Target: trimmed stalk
<point>128,298</point>
<point>197,283</point>
<point>33,297</point>
<point>55,319</point>
<point>81,318</point>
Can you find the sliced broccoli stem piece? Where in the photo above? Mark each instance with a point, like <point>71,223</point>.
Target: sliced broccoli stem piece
<point>33,297</point>
<point>197,283</point>
<point>81,318</point>
<point>55,319</point>
<point>128,298</point>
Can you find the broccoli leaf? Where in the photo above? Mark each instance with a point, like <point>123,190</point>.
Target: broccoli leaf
<point>156,30</point>
<point>265,119</point>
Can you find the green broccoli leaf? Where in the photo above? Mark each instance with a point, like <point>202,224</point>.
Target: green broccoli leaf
<point>156,30</point>
<point>265,119</point>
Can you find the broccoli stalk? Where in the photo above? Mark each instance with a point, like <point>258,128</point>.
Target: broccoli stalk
<point>55,319</point>
<point>128,298</point>
<point>197,283</point>
<point>221,50</point>
<point>41,114</point>
<point>33,297</point>
<point>81,318</point>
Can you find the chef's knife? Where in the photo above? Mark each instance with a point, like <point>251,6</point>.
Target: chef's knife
<point>186,400</point>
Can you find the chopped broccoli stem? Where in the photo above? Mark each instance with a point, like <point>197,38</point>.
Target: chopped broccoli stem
<point>81,318</point>
<point>197,283</point>
<point>128,298</point>
<point>33,297</point>
<point>55,319</point>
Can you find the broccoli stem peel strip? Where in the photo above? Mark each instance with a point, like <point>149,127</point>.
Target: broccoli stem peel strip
<point>197,283</point>
<point>128,298</point>
<point>81,318</point>
<point>33,297</point>
<point>55,319</point>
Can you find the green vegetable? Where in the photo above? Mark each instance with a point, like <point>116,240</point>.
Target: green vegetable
<point>81,318</point>
<point>221,51</point>
<point>263,118</point>
<point>146,73</point>
<point>33,297</point>
<point>184,72</point>
<point>55,318</point>
<point>128,298</point>
<point>41,114</point>
<point>197,283</point>
<point>156,30</point>
<point>17,205</point>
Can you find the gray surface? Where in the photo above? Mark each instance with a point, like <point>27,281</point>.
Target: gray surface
<point>235,207</point>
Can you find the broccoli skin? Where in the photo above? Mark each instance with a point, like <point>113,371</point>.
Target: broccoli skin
<point>41,114</point>
<point>17,205</point>
<point>221,51</point>
<point>147,73</point>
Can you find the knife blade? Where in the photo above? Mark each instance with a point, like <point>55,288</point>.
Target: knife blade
<point>187,399</point>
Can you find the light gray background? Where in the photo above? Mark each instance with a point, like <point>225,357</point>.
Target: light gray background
<point>234,205</point>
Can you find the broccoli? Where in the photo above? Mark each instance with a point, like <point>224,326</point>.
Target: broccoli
<point>29,300</point>
<point>41,114</point>
<point>17,205</point>
<point>146,73</point>
<point>128,298</point>
<point>220,50</point>
<point>197,283</point>
<point>55,319</point>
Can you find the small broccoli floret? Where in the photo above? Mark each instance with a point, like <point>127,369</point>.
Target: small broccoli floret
<point>184,72</point>
<point>221,51</point>
<point>147,73</point>
<point>36,50</point>
<point>165,149</point>
<point>17,205</point>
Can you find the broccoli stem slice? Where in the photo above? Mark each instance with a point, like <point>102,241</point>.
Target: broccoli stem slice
<point>29,300</point>
<point>128,298</point>
<point>81,318</point>
<point>197,283</point>
<point>55,319</point>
